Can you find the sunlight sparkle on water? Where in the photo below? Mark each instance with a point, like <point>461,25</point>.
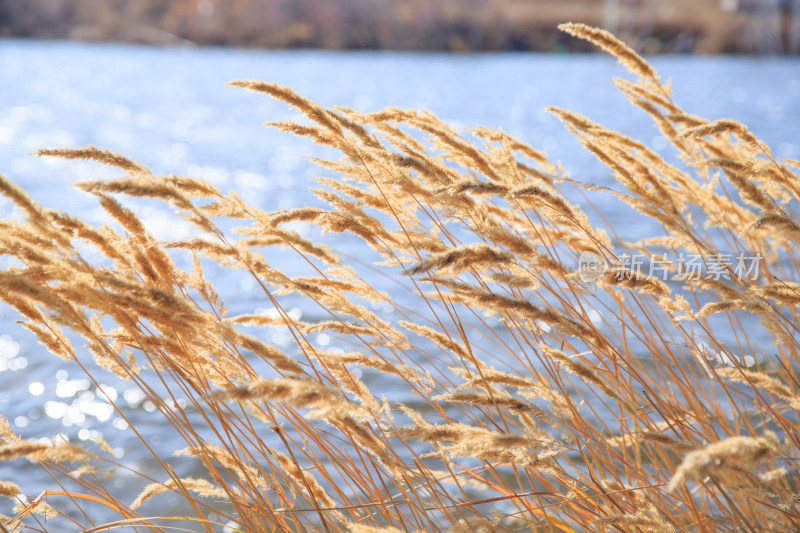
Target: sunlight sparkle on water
<point>85,403</point>
<point>9,348</point>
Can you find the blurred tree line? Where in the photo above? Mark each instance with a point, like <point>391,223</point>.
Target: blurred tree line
<point>456,25</point>
<point>334,24</point>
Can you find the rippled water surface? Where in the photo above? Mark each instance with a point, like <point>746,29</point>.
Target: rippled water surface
<point>170,109</point>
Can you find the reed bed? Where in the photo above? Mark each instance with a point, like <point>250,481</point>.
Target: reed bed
<point>538,393</point>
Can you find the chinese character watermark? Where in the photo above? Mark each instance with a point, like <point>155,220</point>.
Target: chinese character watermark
<point>719,266</point>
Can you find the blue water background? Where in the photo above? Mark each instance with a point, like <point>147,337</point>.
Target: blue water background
<point>171,110</point>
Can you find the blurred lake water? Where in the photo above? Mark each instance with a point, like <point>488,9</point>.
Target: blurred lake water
<point>171,110</point>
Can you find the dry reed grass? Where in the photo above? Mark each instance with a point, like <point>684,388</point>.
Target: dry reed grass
<point>550,420</point>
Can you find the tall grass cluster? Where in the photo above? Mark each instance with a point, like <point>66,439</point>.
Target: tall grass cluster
<point>537,393</point>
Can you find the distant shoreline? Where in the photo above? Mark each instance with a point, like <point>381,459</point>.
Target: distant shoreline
<point>562,51</point>
<point>677,26</point>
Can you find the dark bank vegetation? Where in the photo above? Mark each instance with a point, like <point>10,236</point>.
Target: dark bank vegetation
<point>703,26</point>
